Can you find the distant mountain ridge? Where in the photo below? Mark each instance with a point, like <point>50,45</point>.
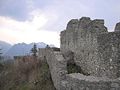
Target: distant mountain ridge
<point>22,49</point>
<point>4,46</point>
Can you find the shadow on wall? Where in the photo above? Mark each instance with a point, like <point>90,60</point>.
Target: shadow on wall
<point>71,65</point>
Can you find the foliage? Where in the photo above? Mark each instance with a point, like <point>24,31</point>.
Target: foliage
<point>26,74</point>
<point>34,50</point>
<point>0,54</point>
<point>1,67</point>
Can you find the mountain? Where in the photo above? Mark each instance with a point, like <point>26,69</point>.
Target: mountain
<point>22,49</point>
<point>4,46</point>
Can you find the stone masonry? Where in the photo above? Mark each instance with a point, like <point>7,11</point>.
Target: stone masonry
<point>117,27</point>
<point>75,81</point>
<point>95,50</point>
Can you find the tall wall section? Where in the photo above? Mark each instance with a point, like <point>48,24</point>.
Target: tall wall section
<point>88,40</point>
<point>109,54</point>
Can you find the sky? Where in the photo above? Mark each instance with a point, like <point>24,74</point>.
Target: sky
<point>43,20</point>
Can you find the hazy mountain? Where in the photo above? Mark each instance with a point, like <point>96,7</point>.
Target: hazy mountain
<point>21,49</point>
<point>4,46</point>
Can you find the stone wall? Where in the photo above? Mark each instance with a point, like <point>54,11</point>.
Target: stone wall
<point>41,53</point>
<point>89,40</point>
<point>117,27</point>
<point>80,38</point>
<point>80,82</point>
<point>109,54</point>
<point>95,50</point>
<point>75,81</point>
<point>57,66</point>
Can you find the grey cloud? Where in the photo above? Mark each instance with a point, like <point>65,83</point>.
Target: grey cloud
<point>16,9</point>
<point>63,9</point>
<point>21,9</point>
<point>103,9</point>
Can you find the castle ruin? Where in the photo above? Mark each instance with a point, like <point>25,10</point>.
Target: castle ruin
<point>91,47</point>
<point>96,50</point>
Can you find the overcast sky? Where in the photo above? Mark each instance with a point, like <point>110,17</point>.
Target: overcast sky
<point>42,20</point>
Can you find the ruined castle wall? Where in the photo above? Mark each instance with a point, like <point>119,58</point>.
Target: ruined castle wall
<point>86,55</point>
<point>80,82</point>
<point>109,54</point>
<point>80,37</point>
<point>68,41</point>
<point>57,66</point>
<point>75,81</point>
<point>94,49</point>
<point>117,27</point>
<point>41,53</point>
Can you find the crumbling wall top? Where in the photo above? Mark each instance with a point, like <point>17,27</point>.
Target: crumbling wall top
<point>85,23</point>
<point>98,22</point>
<point>72,24</point>
<point>97,26</point>
<point>75,23</point>
<point>117,27</point>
